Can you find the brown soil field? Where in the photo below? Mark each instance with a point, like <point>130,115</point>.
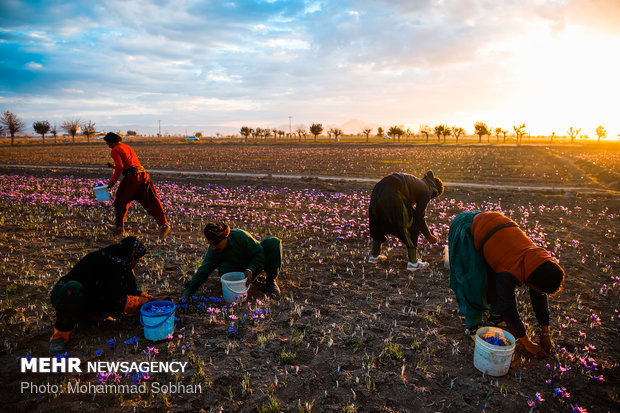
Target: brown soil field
<point>345,335</point>
<point>566,165</point>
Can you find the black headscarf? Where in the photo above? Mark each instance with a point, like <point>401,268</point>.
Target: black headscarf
<point>216,232</point>
<point>129,249</point>
<point>112,137</point>
<point>435,183</point>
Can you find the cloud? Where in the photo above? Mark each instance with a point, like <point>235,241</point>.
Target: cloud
<point>73,91</point>
<point>322,61</point>
<point>34,66</point>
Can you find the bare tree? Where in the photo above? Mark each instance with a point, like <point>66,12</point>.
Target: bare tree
<point>395,131</point>
<point>336,133</point>
<point>439,129</point>
<point>245,132</point>
<point>71,127</point>
<point>257,133</point>
<point>601,133</point>
<point>446,132</point>
<point>301,133</point>
<point>41,127</point>
<point>498,131</point>
<point>504,134</point>
<point>519,132</point>
<point>456,132</point>
<point>399,132</point>
<point>316,129</point>
<point>12,123</point>
<point>573,133</point>
<point>425,130</point>
<point>54,132</point>
<point>367,133</point>
<point>481,129</point>
<point>88,129</point>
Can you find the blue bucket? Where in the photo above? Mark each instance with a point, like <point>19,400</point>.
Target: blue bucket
<point>157,318</point>
<point>102,193</point>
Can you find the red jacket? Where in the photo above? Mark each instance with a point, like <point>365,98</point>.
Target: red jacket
<point>124,157</point>
<point>509,249</point>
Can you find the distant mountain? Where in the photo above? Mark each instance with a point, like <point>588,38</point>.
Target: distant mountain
<point>356,126</point>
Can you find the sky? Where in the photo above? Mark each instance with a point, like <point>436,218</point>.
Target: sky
<point>215,66</point>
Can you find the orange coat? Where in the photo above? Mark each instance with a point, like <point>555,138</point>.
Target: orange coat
<point>509,249</point>
<point>124,157</point>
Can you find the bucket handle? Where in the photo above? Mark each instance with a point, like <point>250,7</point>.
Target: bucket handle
<point>158,324</point>
<point>247,287</point>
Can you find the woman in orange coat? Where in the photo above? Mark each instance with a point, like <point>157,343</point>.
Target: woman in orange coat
<point>489,257</point>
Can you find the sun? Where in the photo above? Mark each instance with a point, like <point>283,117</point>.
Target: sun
<point>571,78</point>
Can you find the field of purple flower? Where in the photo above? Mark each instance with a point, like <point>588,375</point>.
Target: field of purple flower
<point>344,336</point>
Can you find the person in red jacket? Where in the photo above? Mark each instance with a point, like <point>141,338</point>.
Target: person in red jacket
<point>135,186</point>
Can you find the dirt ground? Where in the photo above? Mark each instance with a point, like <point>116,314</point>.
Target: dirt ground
<point>593,165</point>
<point>344,336</point>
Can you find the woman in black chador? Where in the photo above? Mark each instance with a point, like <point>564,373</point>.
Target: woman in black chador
<point>397,206</point>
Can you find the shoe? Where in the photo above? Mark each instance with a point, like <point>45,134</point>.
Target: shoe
<point>115,229</point>
<point>471,332</point>
<point>271,287</point>
<point>164,229</point>
<point>377,259</point>
<point>496,320</point>
<point>57,346</point>
<point>420,265</point>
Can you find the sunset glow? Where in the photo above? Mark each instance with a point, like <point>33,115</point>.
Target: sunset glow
<point>216,66</point>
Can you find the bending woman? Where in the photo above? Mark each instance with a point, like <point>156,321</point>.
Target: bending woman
<point>490,256</point>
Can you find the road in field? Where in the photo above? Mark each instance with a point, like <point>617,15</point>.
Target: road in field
<point>320,178</point>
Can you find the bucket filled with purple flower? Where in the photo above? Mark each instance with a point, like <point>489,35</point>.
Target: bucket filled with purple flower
<point>157,318</point>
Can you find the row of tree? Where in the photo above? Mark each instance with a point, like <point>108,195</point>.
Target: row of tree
<point>13,125</point>
<point>315,130</point>
<point>397,132</point>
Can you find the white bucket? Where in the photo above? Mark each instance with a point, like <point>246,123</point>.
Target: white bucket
<point>235,287</point>
<point>102,193</point>
<point>489,358</point>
